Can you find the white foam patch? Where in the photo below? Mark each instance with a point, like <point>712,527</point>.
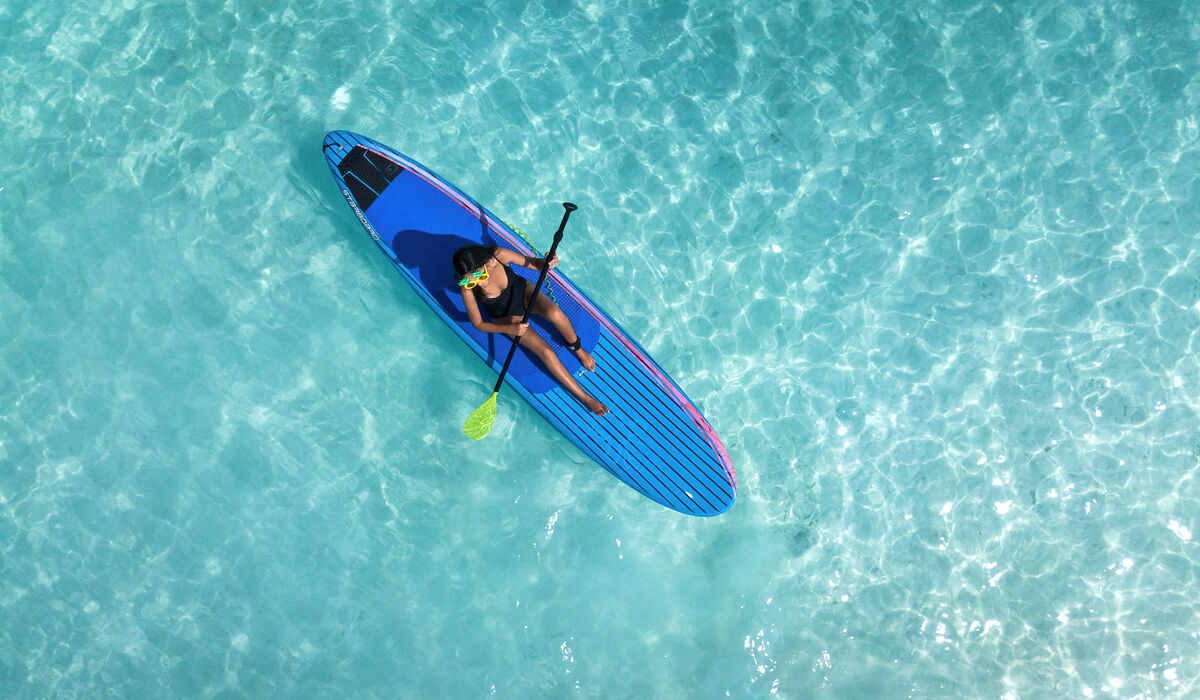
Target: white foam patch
<point>341,99</point>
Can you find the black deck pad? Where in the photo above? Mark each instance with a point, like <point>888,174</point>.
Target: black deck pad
<point>367,174</point>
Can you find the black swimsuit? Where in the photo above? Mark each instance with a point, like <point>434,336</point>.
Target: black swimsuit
<point>511,301</point>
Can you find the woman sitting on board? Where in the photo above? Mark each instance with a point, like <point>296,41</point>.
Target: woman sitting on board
<point>487,281</point>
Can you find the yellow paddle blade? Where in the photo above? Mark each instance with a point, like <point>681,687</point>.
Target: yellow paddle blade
<point>480,421</point>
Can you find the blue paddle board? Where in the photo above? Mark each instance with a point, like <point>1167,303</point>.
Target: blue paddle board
<point>654,439</point>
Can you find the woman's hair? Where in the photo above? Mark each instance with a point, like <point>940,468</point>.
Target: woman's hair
<point>471,257</point>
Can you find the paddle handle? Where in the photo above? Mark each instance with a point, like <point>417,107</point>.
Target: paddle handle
<point>537,288</point>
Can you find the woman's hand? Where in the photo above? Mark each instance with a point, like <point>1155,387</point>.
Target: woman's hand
<point>518,329</point>
<point>553,261</point>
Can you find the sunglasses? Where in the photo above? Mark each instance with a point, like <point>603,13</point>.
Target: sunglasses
<point>474,278</point>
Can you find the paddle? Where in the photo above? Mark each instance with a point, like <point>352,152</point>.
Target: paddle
<point>479,423</point>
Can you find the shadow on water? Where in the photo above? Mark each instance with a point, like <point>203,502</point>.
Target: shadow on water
<point>800,541</point>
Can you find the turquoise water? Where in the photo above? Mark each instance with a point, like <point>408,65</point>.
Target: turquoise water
<point>929,268</point>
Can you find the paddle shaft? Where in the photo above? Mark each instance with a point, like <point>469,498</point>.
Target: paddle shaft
<point>537,288</point>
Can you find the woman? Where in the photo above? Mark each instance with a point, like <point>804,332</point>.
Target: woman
<point>487,282</point>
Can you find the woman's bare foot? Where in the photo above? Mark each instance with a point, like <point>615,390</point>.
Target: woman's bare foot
<point>586,359</point>
<point>595,406</point>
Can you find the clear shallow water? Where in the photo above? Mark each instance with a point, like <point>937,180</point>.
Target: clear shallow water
<point>928,268</point>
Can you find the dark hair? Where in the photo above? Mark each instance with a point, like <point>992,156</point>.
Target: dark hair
<point>471,257</point>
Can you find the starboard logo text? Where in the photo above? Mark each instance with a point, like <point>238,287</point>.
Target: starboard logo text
<point>362,219</point>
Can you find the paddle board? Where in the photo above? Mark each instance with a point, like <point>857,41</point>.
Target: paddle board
<point>654,438</point>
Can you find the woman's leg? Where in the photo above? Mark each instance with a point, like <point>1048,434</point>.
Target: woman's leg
<point>551,312</point>
<point>534,342</point>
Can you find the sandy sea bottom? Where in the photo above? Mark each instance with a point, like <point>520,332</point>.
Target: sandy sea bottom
<point>928,268</point>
